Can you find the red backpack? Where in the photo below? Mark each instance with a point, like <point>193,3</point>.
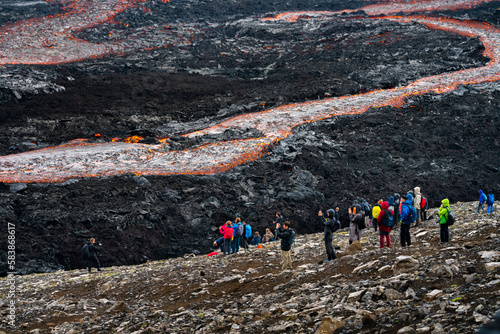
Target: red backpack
<point>423,202</point>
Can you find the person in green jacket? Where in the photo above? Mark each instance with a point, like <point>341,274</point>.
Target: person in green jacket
<point>443,220</point>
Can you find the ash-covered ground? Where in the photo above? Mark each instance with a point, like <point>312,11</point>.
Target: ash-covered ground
<point>209,61</point>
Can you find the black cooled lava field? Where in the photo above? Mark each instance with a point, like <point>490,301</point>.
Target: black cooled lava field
<point>147,123</point>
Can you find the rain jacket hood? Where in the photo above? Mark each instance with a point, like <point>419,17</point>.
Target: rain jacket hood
<point>409,200</point>
<point>446,202</point>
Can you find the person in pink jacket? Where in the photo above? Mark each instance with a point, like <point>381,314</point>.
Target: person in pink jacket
<point>227,231</point>
<point>385,231</point>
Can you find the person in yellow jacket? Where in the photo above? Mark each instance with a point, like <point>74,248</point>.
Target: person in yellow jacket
<point>443,220</point>
<point>377,207</point>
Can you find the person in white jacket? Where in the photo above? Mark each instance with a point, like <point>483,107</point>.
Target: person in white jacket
<point>416,203</point>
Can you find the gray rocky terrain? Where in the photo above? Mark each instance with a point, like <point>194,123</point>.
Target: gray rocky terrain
<point>426,288</point>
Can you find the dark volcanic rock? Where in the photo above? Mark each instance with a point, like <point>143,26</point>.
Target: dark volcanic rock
<point>446,144</point>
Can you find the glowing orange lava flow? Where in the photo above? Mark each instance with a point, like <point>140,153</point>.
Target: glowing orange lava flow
<point>50,40</point>
<point>81,159</point>
<point>396,6</point>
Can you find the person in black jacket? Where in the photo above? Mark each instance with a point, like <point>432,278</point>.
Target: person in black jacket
<point>93,250</point>
<point>285,233</point>
<point>330,224</point>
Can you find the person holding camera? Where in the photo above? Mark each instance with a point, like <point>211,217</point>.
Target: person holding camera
<point>93,250</point>
<point>285,233</point>
<point>330,224</point>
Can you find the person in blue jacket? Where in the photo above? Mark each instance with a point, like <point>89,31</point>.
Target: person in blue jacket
<point>235,244</point>
<point>489,203</point>
<point>407,217</point>
<point>256,239</point>
<point>247,234</point>
<point>482,200</point>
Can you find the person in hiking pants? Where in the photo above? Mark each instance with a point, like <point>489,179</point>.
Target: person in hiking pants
<point>285,233</point>
<point>93,250</point>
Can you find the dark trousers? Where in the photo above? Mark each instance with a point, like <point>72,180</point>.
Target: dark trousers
<point>244,242</point>
<point>444,233</point>
<point>94,262</point>
<point>405,235</point>
<point>235,244</point>
<point>424,214</point>
<point>227,246</point>
<point>330,251</point>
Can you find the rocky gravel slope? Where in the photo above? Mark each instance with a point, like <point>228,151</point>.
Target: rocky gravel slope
<point>426,288</point>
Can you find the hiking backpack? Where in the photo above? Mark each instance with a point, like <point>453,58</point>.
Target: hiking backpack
<point>85,251</point>
<point>412,214</point>
<point>292,237</point>
<point>366,208</point>
<point>491,199</point>
<point>388,219</point>
<point>451,217</point>
<point>483,196</point>
<point>423,203</point>
<point>240,229</point>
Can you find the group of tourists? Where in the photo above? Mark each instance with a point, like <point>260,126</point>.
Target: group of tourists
<point>486,199</point>
<point>399,210</point>
<point>234,236</point>
<point>383,216</point>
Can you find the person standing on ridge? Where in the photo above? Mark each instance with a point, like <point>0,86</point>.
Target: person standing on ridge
<point>407,217</point>
<point>384,215</point>
<point>330,226</point>
<point>482,200</point>
<point>238,231</point>
<point>246,238</point>
<point>377,207</point>
<point>93,250</point>
<point>355,219</point>
<point>443,221</point>
<point>416,204</point>
<point>397,207</point>
<point>278,221</point>
<point>368,211</point>
<point>285,233</point>
<point>227,231</point>
<point>490,202</point>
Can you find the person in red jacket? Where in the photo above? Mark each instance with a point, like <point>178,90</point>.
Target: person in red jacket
<point>227,231</point>
<point>385,231</point>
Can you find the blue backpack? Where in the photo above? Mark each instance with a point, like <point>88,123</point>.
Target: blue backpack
<point>388,218</point>
<point>412,214</point>
<point>491,199</point>
<point>483,197</point>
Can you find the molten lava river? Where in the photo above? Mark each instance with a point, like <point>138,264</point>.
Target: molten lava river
<point>51,40</point>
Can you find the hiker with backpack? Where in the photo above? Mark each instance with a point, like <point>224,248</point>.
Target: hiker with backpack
<point>247,235</point>
<point>356,221</point>
<point>482,200</point>
<point>256,240</point>
<point>385,223</point>
<point>90,251</point>
<point>417,200</point>
<point>238,231</point>
<point>407,217</point>
<point>287,236</point>
<point>227,231</point>
<point>330,224</point>
<point>368,211</point>
<point>375,211</point>
<point>489,203</point>
<point>444,212</point>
